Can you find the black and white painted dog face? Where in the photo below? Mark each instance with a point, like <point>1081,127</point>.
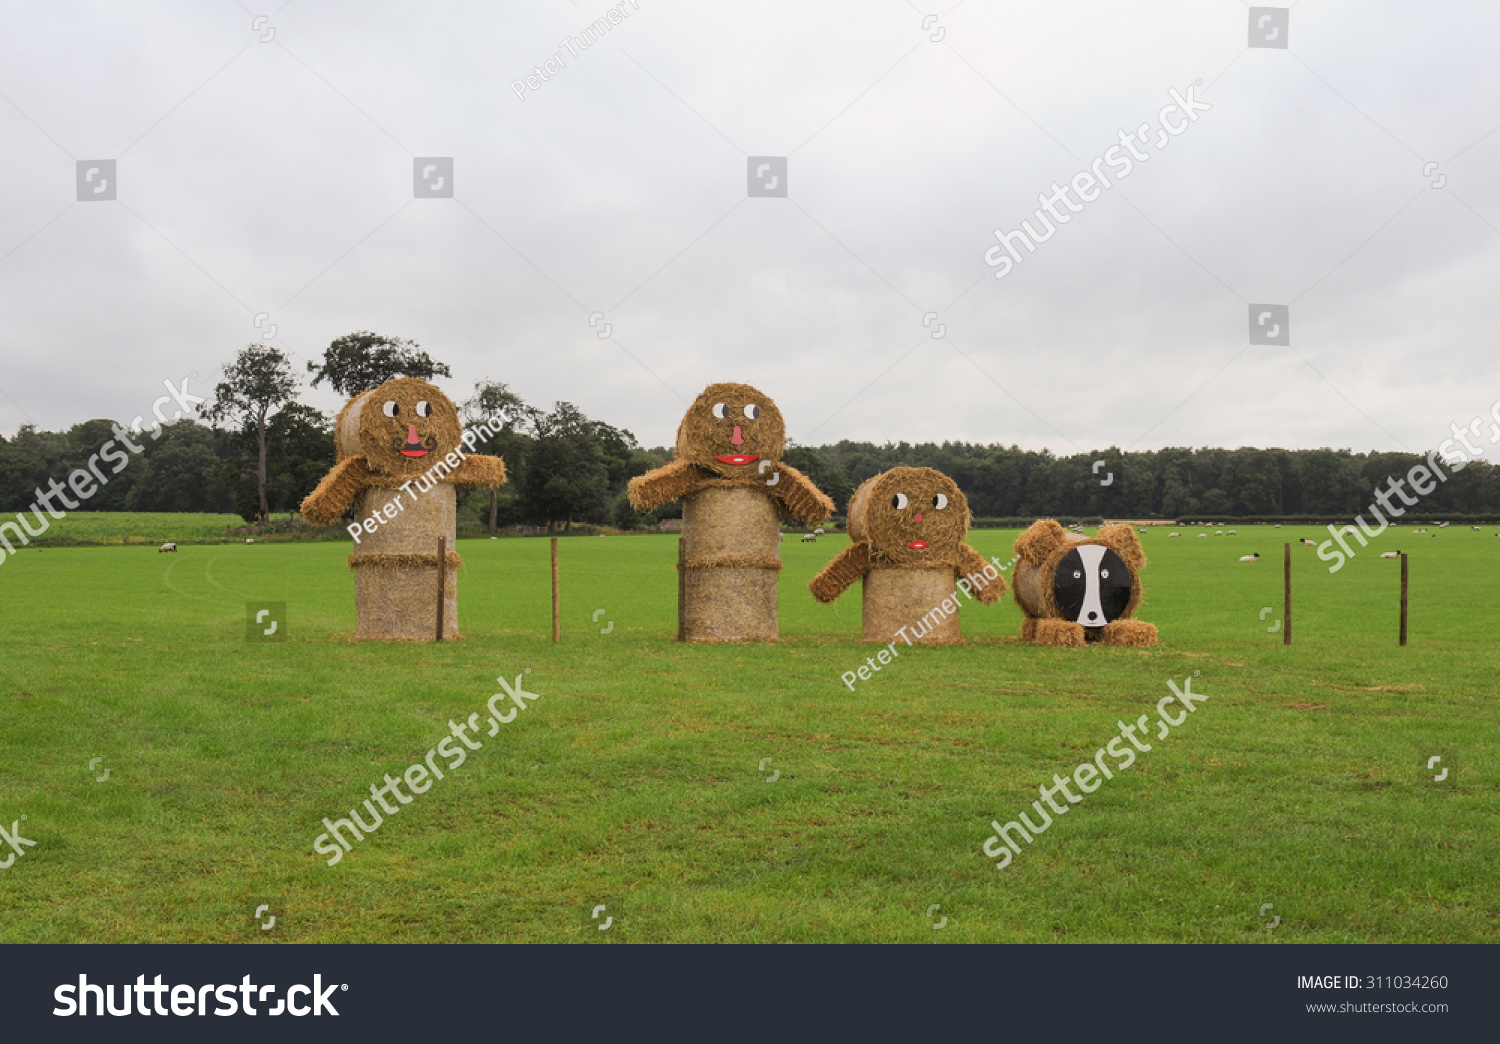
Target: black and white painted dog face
<point>1092,585</point>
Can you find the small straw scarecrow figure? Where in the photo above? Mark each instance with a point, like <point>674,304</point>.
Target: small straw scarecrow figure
<point>908,527</point>
<point>733,485</point>
<point>401,461</point>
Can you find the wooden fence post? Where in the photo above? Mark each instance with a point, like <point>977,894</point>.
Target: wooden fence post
<point>442,563</point>
<point>1286,614</point>
<point>556,597</point>
<point>1403,598</point>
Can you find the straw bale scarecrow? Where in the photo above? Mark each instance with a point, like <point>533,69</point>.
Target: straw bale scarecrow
<point>401,462</point>
<point>908,527</point>
<point>1076,589</point>
<point>733,485</point>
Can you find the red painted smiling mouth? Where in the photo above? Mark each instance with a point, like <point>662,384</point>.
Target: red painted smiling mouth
<point>917,545</point>
<point>419,452</point>
<point>738,458</point>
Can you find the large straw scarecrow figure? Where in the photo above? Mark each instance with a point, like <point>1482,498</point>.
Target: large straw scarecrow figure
<point>401,462</point>
<point>733,485</point>
<point>908,526</point>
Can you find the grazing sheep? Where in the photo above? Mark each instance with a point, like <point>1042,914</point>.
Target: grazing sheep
<point>1203,534</point>
<point>1390,554</point>
<point>1231,532</point>
<point>1309,543</point>
<point>1419,530</point>
<point>168,546</point>
<point>1179,534</point>
<point>1474,528</point>
<point>1250,557</point>
<point>1218,532</point>
<point>818,531</point>
<point>809,538</point>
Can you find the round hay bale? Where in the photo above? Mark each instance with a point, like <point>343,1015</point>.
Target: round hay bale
<point>732,549</point>
<point>914,598</point>
<point>396,598</point>
<point>401,428</point>
<point>912,517</point>
<point>1075,589</point>
<point>722,413</point>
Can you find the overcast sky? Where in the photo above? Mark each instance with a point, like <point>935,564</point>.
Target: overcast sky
<point>266,165</point>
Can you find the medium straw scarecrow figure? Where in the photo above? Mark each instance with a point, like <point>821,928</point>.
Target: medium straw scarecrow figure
<point>733,485</point>
<point>401,462</point>
<point>908,527</point>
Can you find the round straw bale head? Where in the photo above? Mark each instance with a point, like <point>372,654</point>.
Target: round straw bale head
<point>918,599</point>
<point>720,414</point>
<point>912,517</point>
<point>402,428</point>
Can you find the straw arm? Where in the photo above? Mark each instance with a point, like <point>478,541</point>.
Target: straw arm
<point>478,470</point>
<point>803,499</point>
<point>971,563</point>
<point>337,491</point>
<point>834,579</point>
<point>667,483</point>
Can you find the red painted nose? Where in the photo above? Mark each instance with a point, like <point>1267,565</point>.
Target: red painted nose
<point>411,434</point>
<point>737,439</point>
<point>918,517</point>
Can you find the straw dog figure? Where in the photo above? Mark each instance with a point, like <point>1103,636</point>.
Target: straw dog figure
<point>1076,589</point>
<point>732,483</point>
<point>400,464</point>
<point>908,527</point>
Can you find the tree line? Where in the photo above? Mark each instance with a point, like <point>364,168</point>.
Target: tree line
<point>261,452</point>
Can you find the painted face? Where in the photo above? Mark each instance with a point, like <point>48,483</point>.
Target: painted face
<point>1092,585</point>
<point>911,515</point>
<point>730,429</point>
<point>406,425</point>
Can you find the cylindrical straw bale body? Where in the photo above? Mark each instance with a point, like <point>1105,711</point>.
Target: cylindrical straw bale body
<point>395,567</point>
<point>916,599</point>
<point>732,557</point>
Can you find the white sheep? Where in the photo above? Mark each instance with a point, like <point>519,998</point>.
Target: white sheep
<point>1250,557</point>
<point>1390,554</point>
<point>809,538</point>
<point>168,546</point>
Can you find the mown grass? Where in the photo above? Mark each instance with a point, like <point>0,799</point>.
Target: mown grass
<point>135,527</point>
<point>635,779</point>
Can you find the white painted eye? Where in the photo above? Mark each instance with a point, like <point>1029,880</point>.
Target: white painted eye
<point>940,501</point>
<point>899,501</point>
<point>424,408</point>
<point>1077,575</point>
<point>391,409</point>
<point>1104,574</point>
<point>720,410</point>
<point>752,411</point>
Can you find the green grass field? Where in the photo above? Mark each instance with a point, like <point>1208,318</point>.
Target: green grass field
<point>125,527</point>
<point>635,780</point>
